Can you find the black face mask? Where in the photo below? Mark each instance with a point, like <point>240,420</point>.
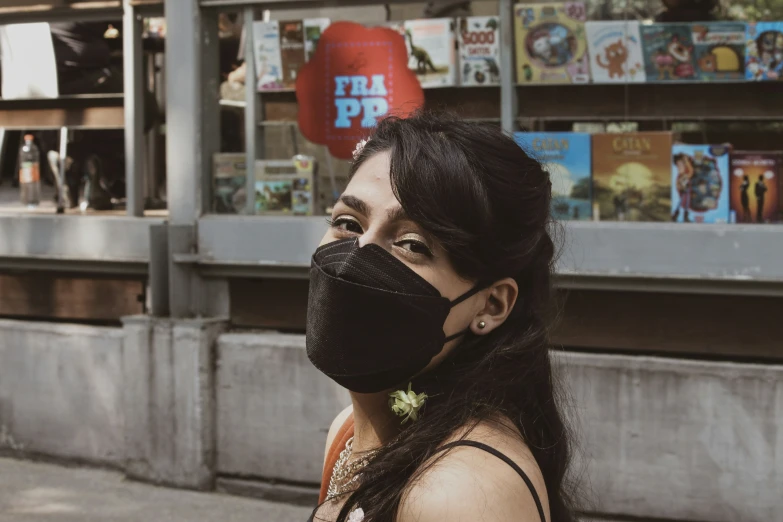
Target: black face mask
<point>372,322</point>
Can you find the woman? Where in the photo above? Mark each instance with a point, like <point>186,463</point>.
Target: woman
<point>429,300</point>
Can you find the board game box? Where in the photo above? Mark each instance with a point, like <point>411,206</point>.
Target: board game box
<point>292,50</point>
<point>668,52</point>
<point>719,49</point>
<point>431,51</point>
<point>566,156</point>
<point>755,186</point>
<point>269,66</point>
<point>313,29</point>
<point>550,43</point>
<point>479,50</point>
<point>632,176</point>
<point>700,183</point>
<point>615,50</point>
<point>764,51</point>
<point>285,186</point>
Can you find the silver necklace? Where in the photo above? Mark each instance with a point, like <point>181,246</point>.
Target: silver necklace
<point>344,474</point>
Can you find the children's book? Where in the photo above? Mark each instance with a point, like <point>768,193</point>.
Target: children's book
<point>269,65</point>
<point>566,156</point>
<point>764,51</point>
<point>229,177</point>
<point>668,52</point>
<point>632,176</point>
<point>720,50</point>
<point>700,183</point>
<point>285,186</point>
<point>431,51</point>
<point>615,50</point>
<point>313,29</point>
<point>292,50</point>
<point>550,43</point>
<point>755,186</point>
<point>479,50</point>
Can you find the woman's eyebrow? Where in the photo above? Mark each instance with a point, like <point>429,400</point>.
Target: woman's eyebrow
<point>356,204</point>
<point>397,214</point>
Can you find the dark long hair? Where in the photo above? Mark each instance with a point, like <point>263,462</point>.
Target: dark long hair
<point>487,202</point>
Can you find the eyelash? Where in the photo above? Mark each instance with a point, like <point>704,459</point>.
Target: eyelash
<point>336,224</point>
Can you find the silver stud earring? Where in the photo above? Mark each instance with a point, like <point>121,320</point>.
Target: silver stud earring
<point>482,325</point>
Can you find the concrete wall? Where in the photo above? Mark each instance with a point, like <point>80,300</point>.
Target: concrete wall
<point>60,390</point>
<point>274,408</point>
<point>660,438</point>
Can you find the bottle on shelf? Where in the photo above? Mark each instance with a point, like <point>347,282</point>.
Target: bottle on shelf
<point>29,173</point>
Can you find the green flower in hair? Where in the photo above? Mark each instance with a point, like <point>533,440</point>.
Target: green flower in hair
<point>407,404</point>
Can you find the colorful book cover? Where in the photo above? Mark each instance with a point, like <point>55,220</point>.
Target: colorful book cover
<point>720,50</point>
<point>566,156</point>
<point>764,51</point>
<point>615,50</point>
<point>550,43</point>
<point>700,183</point>
<point>269,65</point>
<point>668,52</point>
<point>313,29</point>
<point>229,177</point>
<point>431,51</point>
<point>755,186</point>
<point>292,50</point>
<point>479,50</point>
<point>632,176</point>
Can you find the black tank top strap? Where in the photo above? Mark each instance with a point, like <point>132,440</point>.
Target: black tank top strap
<point>504,458</point>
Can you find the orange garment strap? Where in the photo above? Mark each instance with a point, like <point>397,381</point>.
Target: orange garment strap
<point>338,445</point>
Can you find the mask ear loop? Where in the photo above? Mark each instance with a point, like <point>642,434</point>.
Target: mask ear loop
<point>464,297</point>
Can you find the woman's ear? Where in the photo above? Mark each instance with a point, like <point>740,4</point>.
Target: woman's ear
<point>500,300</point>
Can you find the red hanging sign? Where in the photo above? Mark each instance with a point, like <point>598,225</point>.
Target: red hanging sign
<point>356,76</point>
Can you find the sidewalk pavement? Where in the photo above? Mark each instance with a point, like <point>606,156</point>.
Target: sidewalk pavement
<point>34,492</point>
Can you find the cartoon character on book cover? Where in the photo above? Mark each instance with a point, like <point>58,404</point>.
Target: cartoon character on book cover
<point>755,186</point>
<point>632,176</point>
<point>720,50</point>
<point>566,156</point>
<point>615,50</point>
<point>668,52</point>
<point>479,50</point>
<point>700,183</point>
<point>764,51</point>
<point>550,43</point>
<point>431,51</point>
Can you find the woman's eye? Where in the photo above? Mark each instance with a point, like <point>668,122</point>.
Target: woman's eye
<point>416,247</point>
<point>347,224</point>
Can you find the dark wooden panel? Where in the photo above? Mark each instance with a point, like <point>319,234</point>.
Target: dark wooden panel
<point>740,100</point>
<point>733,327</point>
<point>708,325</point>
<point>42,295</point>
<point>92,118</point>
<point>269,303</point>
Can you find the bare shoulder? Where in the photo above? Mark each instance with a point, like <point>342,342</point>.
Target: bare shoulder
<point>335,427</point>
<point>471,484</point>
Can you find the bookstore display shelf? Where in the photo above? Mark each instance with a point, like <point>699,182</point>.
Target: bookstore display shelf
<point>651,257</point>
<point>87,244</point>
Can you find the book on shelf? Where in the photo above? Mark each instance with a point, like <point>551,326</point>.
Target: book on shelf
<point>550,43</point>
<point>292,50</point>
<point>283,187</point>
<point>615,50</point>
<point>632,176</point>
<point>313,29</point>
<point>764,51</point>
<point>700,183</point>
<point>268,59</point>
<point>755,187</point>
<point>431,51</point>
<point>566,156</point>
<point>479,50</point>
<point>668,52</point>
<point>719,49</point>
